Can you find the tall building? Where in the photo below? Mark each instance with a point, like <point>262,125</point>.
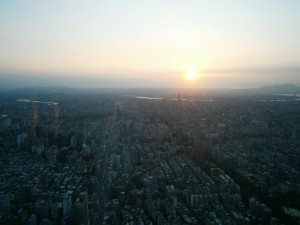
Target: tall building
<point>67,205</point>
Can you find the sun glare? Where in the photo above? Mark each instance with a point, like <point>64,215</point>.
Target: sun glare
<point>192,75</point>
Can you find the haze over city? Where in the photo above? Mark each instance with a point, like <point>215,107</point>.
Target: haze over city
<point>139,112</point>
<point>199,44</point>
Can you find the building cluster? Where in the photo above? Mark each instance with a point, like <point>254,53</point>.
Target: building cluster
<point>113,159</point>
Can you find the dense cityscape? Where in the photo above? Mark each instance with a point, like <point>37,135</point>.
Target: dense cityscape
<point>112,158</point>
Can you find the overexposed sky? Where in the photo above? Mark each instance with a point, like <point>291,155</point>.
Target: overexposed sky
<point>133,43</point>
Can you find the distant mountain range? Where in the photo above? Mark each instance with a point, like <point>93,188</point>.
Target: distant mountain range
<point>267,90</point>
<point>279,89</point>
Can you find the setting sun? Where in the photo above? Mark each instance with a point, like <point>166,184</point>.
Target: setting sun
<point>192,75</point>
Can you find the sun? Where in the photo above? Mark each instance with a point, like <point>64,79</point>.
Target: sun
<point>192,75</point>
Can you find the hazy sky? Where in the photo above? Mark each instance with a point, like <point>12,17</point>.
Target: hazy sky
<point>149,43</point>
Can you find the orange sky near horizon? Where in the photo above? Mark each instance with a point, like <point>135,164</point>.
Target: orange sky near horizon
<point>138,43</point>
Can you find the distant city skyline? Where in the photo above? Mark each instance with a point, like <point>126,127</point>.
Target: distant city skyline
<point>164,44</point>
